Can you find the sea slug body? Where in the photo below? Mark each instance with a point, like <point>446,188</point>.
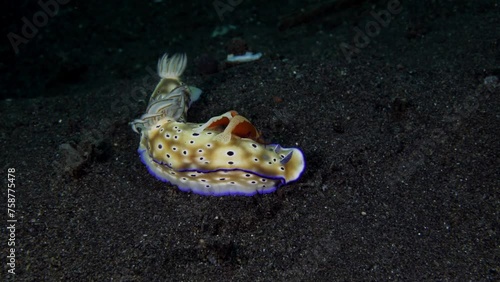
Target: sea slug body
<point>224,156</point>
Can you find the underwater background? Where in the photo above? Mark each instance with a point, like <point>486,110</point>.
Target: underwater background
<point>394,104</point>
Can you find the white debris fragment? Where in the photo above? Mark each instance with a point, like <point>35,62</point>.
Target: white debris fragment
<point>247,57</point>
<point>221,30</point>
<point>491,80</point>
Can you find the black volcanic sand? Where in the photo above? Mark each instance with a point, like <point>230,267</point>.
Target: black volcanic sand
<point>401,143</point>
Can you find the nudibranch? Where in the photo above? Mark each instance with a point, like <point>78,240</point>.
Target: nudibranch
<point>224,156</point>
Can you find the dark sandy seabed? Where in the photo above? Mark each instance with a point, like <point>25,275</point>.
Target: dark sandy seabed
<point>401,142</point>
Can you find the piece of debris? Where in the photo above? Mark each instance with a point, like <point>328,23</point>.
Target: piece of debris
<point>222,30</point>
<point>277,99</point>
<point>247,57</point>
